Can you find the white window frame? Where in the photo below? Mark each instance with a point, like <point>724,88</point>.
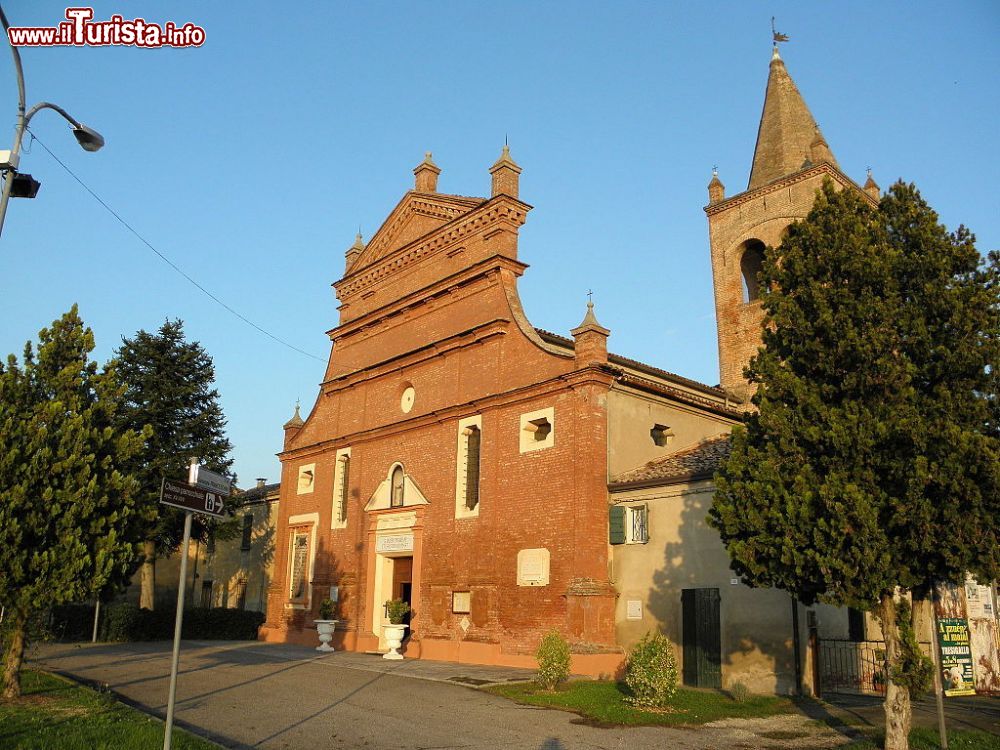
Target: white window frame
<point>631,512</point>
<point>461,463</point>
<point>306,479</point>
<point>527,441</point>
<point>305,523</point>
<point>343,456</point>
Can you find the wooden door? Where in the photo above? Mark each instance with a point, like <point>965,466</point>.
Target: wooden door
<point>702,638</point>
<point>402,581</point>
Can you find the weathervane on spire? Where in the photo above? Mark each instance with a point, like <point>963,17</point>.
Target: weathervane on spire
<point>776,35</point>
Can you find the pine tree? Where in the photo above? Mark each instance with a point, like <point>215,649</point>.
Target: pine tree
<point>65,502</point>
<point>872,463</point>
<point>169,386</point>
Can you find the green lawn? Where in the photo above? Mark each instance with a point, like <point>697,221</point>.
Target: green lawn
<point>604,703</point>
<point>56,713</point>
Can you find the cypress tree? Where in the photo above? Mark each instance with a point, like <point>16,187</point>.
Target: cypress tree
<point>872,462</point>
<point>65,501</point>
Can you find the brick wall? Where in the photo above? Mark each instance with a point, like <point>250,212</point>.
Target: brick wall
<point>445,321</point>
<point>762,214</point>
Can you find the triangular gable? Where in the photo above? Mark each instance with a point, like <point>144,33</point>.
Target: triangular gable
<point>415,216</point>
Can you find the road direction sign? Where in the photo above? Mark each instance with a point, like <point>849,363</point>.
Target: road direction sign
<point>209,480</point>
<point>194,499</point>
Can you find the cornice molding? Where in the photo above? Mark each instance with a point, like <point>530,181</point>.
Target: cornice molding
<point>687,397</point>
<point>527,393</point>
<point>480,333</point>
<point>749,195</point>
<point>429,293</point>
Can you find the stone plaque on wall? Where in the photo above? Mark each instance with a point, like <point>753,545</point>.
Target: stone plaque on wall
<point>634,610</point>
<point>394,543</point>
<point>533,567</point>
<point>461,602</point>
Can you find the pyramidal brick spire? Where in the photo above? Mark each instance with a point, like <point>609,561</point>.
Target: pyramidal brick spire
<point>789,138</point>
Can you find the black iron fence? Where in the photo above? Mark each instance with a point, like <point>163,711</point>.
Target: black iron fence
<point>854,666</point>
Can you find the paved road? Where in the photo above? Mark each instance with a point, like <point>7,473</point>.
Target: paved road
<point>254,695</point>
<point>966,712</point>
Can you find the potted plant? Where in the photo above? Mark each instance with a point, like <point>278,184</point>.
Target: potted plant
<point>325,625</point>
<point>396,610</point>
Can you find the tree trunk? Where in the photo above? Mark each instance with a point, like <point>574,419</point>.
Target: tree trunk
<point>898,711</point>
<point>14,656</point>
<point>146,576</point>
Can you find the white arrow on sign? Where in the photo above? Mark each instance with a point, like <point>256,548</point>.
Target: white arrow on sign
<point>213,503</point>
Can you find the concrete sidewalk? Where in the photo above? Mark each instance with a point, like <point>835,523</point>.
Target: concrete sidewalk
<point>257,695</point>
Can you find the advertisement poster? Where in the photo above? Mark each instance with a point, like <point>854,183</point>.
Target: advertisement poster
<point>956,656</point>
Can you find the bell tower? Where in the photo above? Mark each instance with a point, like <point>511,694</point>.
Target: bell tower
<point>790,162</point>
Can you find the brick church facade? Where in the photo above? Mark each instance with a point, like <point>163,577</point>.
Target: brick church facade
<point>507,481</point>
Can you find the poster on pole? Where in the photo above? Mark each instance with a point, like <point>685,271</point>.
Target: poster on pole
<point>956,656</point>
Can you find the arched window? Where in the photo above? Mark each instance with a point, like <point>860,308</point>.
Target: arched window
<point>751,262</point>
<point>473,437</point>
<point>396,499</point>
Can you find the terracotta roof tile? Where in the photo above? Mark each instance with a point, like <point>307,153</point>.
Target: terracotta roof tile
<point>256,493</point>
<point>695,461</point>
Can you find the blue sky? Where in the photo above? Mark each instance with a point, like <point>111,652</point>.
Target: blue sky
<point>251,161</point>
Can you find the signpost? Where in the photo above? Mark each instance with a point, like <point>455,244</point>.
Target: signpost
<point>203,493</point>
<point>192,499</point>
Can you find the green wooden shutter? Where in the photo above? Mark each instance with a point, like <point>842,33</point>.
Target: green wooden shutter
<point>247,532</point>
<point>616,524</point>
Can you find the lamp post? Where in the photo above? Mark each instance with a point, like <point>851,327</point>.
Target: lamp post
<point>88,138</point>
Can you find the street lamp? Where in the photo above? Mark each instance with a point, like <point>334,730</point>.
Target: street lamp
<point>22,185</point>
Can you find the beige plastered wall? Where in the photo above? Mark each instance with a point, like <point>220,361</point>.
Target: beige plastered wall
<point>224,568</point>
<point>631,416</point>
<point>684,552</point>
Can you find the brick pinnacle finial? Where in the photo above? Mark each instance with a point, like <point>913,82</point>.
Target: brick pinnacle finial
<point>871,187</point>
<point>716,190</point>
<point>590,339</point>
<point>505,174</point>
<point>354,251</point>
<point>426,173</point>
<point>296,421</point>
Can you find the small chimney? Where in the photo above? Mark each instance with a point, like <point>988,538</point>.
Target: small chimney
<point>426,173</point>
<point>261,481</point>
<point>505,174</point>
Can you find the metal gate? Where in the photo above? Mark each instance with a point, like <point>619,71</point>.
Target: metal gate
<point>854,666</point>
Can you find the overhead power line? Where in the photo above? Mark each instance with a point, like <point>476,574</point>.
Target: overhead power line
<point>167,260</point>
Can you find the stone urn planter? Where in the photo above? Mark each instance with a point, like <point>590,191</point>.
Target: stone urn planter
<point>396,610</point>
<point>325,630</point>
<point>394,634</point>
